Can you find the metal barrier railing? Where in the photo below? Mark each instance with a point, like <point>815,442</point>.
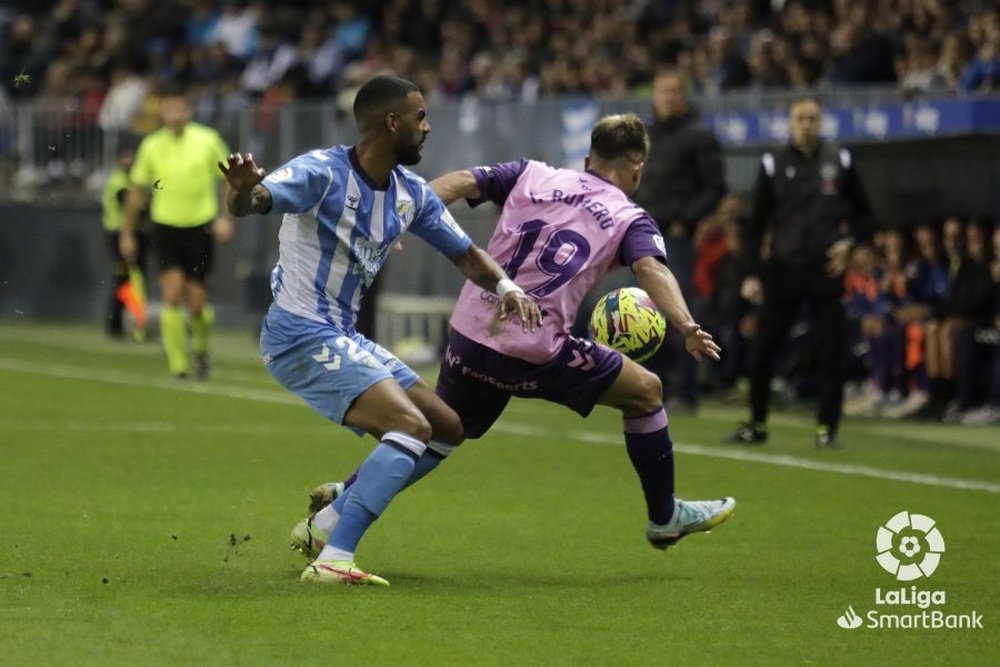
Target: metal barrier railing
<point>55,148</point>
<point>412,325</point>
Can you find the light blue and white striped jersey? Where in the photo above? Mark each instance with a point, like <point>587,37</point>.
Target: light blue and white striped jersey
<point>338,230</point>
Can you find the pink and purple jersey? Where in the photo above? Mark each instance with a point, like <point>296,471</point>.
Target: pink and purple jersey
<point>559,233</point>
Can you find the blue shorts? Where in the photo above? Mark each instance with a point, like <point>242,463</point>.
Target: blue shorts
<point>325,365</point>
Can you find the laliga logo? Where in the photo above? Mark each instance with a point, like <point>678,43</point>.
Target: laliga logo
<point>909,546</point>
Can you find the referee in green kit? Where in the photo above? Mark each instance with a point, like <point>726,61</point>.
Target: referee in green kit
<point>176,166</point>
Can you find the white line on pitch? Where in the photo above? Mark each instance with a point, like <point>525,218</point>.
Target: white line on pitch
<point>103,426</point>
<point>781,460</point>
<point>133,380</point>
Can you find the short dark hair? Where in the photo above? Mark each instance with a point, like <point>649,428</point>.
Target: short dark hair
<point>380,95</point>
<point>619,136</point>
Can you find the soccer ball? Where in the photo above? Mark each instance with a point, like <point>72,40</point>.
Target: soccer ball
<point>627,320</point>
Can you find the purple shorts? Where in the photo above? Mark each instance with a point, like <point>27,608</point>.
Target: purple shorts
<point>477,382</point>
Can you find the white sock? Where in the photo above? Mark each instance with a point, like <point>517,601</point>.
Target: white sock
<point>333,553</point>
<point>326,519</point>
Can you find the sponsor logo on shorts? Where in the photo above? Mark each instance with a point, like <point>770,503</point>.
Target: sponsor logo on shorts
<point>527,385</point>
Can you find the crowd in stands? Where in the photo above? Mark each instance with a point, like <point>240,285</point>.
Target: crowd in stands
<point>234,50</point>
<point>925,305</point>
<point>923,308</point>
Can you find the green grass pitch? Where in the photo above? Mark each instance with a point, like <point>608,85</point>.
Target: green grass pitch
<point>145,521</point>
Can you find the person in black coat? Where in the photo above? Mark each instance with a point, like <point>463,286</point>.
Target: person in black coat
<point>970,312</point>
<point>683,182</point>
<point>810,200</point>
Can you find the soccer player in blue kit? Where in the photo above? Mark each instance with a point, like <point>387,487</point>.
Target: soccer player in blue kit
<point>344,209</point>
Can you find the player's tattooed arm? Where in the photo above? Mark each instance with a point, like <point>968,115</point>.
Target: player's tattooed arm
<point>456,185</point>
<point>245,194</point>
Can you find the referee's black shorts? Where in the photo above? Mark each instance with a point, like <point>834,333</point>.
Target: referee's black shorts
<point>187,248</point>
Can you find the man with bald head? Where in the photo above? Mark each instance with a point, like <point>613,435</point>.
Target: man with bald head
<point>810,201</point>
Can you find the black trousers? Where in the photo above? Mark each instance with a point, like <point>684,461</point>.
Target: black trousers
<point>786,288</point>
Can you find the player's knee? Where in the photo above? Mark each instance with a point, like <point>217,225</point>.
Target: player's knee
<point>449,430</point>
<point>411,422</point>
<point>650,394</point>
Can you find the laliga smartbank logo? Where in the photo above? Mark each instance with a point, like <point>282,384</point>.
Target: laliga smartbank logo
<point>909,547</point>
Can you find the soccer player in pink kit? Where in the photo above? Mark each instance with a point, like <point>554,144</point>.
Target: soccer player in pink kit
<point>560,231</point>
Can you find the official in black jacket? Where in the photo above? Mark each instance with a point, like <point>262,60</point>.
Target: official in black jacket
<point>683,182</point>
<point>810,202</point>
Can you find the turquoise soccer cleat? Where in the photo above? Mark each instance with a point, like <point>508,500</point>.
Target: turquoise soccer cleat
<point>690,516</point>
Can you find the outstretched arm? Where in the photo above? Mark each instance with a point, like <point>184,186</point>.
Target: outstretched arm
<point>456,185</point>
<point>493,183</point>
<point>483,270</point>
<point>245,194</point>
<point>661,285</point>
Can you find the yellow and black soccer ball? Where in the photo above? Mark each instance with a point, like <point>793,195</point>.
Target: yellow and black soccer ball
<point>627,320</point>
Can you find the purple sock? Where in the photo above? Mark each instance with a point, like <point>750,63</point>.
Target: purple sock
<point>651,451</point>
